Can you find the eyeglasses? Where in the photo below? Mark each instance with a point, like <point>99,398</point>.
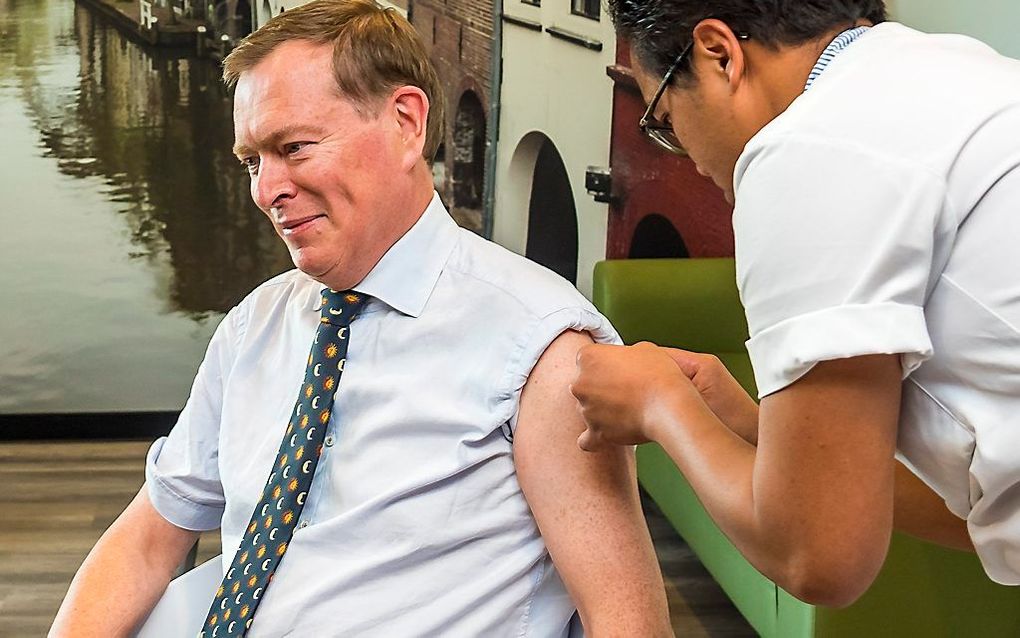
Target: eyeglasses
<point>660,132</point>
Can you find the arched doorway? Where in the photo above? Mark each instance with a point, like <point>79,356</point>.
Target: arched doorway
<point>220,14</point>
<point>552,218</point>
<point>242,19</point>
<point>468,152</point>
<point>656,238</point>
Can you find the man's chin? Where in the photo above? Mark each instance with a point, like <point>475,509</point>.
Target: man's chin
<point>323,271</point>
<point>307,264</point>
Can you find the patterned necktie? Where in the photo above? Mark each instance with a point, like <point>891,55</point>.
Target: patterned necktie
<point>276,515</point>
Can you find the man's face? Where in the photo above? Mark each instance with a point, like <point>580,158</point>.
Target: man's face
<point>703,119</point>
<point>318,168</point>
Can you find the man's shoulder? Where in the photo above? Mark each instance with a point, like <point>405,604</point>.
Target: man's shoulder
<point>513,278</point>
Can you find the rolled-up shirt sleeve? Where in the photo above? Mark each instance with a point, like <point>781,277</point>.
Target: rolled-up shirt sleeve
<point>181,470</point>
<point>836,249</point>
<point>544,330</point>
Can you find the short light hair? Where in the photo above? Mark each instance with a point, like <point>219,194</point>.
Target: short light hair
<point>375,50</point>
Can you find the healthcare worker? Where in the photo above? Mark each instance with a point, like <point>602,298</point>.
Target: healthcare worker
<point>875,173</point>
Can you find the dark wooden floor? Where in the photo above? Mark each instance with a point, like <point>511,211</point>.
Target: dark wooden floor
<point>56,499</point>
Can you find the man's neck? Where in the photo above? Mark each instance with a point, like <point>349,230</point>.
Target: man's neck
<point>786,70</point>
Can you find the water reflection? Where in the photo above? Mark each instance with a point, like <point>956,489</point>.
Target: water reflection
<point>128,228</point>
<point>160,129</point>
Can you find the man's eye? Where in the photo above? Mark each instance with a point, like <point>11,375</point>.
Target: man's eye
<point>250,164</point>
<point>294,147</point>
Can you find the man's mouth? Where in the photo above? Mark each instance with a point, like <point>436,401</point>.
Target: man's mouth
<point>298,224</point>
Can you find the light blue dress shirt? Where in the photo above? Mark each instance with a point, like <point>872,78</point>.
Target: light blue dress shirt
<point>415,524</point>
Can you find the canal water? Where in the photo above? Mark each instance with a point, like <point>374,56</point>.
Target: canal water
<point>127,229</point>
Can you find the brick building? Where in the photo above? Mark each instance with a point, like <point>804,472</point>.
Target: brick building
<point>459,37</point>
<point>661,206</point>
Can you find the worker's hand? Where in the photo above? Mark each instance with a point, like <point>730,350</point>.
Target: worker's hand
<point>723,393</point>
<point>627,393</point>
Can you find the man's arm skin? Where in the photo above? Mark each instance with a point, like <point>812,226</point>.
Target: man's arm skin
<point>587,506</point>
<point>124,575</point>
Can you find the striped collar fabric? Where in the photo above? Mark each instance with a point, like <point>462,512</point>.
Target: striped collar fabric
<point>842,41</point>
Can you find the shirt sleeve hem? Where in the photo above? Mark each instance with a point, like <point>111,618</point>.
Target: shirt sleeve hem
<point>995,552</point>
<point>547,330</point>
<point>785,352</point>
<point>176,508</point>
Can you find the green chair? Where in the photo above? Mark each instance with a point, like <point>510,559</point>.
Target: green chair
<point>922,590</point>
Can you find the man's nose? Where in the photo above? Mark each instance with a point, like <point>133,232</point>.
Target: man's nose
<point>272,183</point>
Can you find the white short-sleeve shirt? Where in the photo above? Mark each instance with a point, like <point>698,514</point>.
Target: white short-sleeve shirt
<point>415,524</point>
<point>881,214</point>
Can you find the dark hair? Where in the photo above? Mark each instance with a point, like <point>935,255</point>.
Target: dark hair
<point>658,30</point>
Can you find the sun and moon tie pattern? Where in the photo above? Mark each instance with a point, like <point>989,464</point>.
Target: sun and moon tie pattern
<point>276,515</point>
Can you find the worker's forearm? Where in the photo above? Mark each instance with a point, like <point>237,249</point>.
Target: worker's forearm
<point>720,391</point>
<point>922,513</point>
<point>772,514</point>
<point>719,465</point>
<point>742,420</point>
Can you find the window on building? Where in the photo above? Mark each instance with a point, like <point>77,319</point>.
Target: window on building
<point>587,8</point>
<point>536,3</point>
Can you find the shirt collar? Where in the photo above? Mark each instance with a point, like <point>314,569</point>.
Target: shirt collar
<point>840,42</point>
<point>406,275</point>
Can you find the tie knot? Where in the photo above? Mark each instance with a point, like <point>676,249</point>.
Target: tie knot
<point>340,307</point>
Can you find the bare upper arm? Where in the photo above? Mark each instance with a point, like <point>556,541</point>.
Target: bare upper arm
<point>140,521</point>
<point>586,504</point>
<point>124,574</point>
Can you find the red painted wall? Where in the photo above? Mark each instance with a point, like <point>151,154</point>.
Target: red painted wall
<point>649,180</point>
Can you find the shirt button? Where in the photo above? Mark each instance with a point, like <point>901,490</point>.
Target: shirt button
<point>329,440</point>
<point>303,525</point>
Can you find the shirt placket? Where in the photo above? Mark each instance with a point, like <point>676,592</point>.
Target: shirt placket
<point>321,480</point>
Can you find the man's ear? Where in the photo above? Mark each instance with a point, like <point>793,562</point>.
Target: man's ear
<point>717,51</point>
<point>411,108</point>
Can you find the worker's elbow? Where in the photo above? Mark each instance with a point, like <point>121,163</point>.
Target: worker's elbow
<point>835,583</point>
<point>824,592</point>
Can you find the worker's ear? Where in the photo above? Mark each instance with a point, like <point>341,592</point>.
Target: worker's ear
<point>717,53</point>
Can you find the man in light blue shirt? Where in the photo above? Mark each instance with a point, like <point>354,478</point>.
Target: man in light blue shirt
<point>449,497</point>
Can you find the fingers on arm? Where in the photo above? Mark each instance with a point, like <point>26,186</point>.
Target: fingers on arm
<point>704,369</point>
<point>692,362</point>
